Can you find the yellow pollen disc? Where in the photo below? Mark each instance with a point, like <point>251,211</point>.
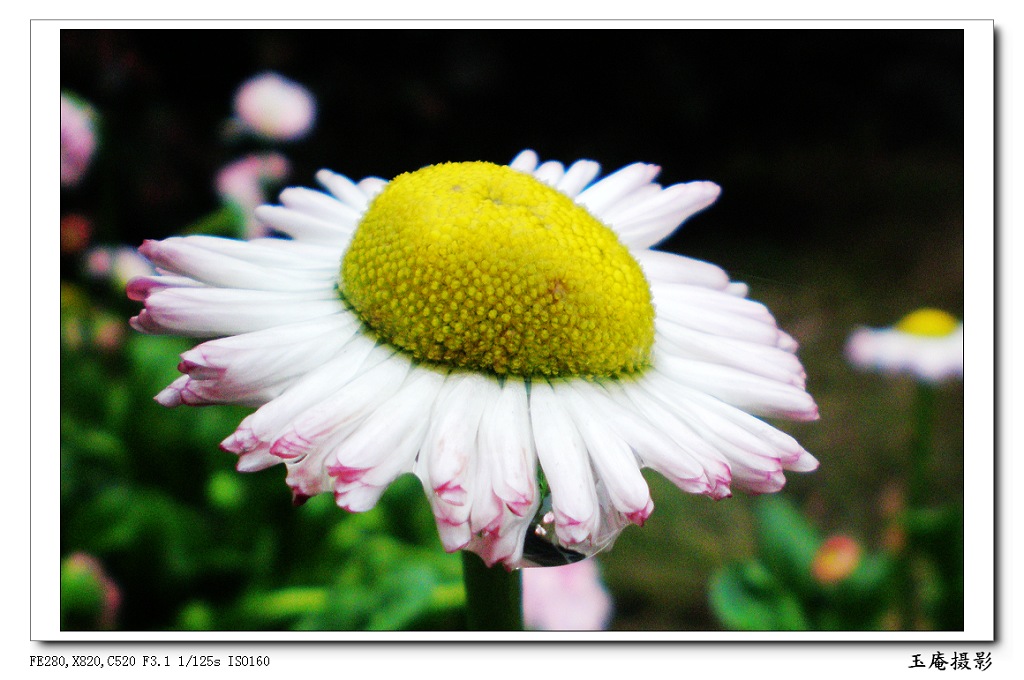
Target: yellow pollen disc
<point>932,323</point>
<point>479,266</point>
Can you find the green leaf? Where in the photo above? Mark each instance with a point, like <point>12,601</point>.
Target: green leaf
<point>156,533</point>
<point>405,595</point>
<point>871,579</point>
<point>939,534</point>
<point>81,594</point>
<point>786,540</point>
<point>196,615</point>
<point>860,600</point>
<point>747,596</point>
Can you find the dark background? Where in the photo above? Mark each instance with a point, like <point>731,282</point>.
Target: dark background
<point>776,117</point>
<point>840,154</point>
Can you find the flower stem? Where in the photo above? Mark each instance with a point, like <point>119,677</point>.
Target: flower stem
<point>917,498</point>
<point>494,598</point>
<point>924,410</point>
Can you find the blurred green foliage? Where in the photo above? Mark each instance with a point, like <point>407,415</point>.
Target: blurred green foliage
<point>779,589</point>
<point>791,584</point>
<point>191,544</point>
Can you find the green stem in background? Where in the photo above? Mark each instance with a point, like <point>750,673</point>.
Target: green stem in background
<point>924,412</point>
<point>494,597</point>
<point>917,497</point>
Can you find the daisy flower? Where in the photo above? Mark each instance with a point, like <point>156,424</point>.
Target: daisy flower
<point>505,333</point>
<point>927,343</point>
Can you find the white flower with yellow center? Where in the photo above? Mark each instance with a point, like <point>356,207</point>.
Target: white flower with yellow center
<point>927,343</point>
<point>503,332</point>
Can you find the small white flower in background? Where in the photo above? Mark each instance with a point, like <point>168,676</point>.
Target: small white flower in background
<point>506,333</point>
<point>78,122</point>
<point>927,343</point>
<point>274,107</point>
<point>245,182</point>
<point>571,597</point>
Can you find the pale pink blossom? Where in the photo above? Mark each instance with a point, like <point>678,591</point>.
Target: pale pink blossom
<point>77,139</point>
<point>244,183</point>
<point>571,597</point>
<point>277,108</point>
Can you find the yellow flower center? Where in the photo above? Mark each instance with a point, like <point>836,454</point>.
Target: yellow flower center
<point>479,266</point>
<point>932,323</point>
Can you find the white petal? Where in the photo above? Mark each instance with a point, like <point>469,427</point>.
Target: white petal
<point>652,221</point>
<point>486,509</point>
<point>452,438</point>
<point>505,437</point>
<point>258,430</point>
<point>606,192</point>
<point>385,445</point>
<point>563,457</point>
<point>682,463</point>
<point>613,459</point>
<point>673,316</point>
<point>307,476</point>
<point>683,457</point>
<point>505,545</point>
<point>296,257</point>
<point>303,227</point>
<point>212,312</point>
<point>764,360</point>
<point>786,342</point>
<point>680,199</point>
<point>447,459</point>
<point>579,175</point>
<point>332,419</point>
<point>754,462</point>
<point>525,161</point>
<point>371,186</point>
<point>662,267</point>
<point>343,188</point>
<point>550,173</point>
<point>308,442</point>
<point>141,287</point>
<point>625,205</point>
<point>189,258</point>
<point>738,289</point>
<point>249,351</point>
<point>668,296</point>
<point>254,461</point>
<point>320,206</point>
<point>753,393</point>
